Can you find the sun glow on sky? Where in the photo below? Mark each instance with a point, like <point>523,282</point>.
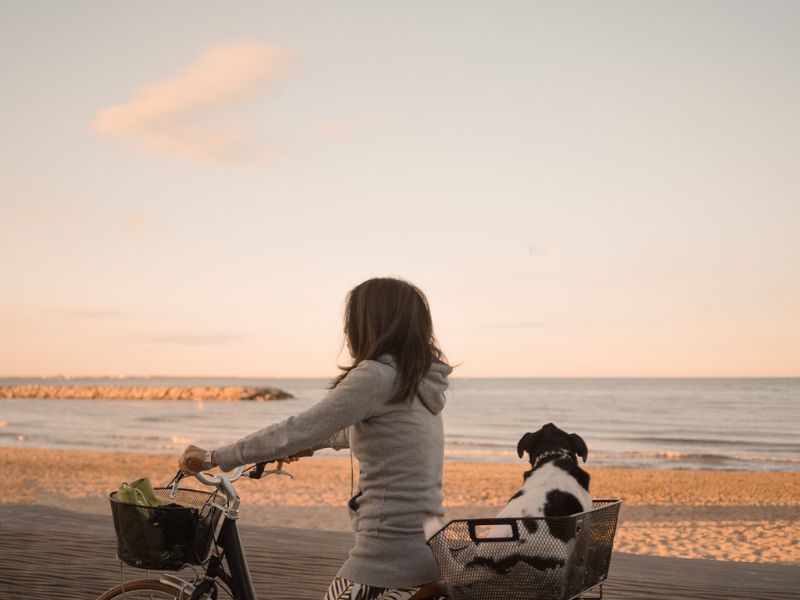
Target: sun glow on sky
<point>581,189</point>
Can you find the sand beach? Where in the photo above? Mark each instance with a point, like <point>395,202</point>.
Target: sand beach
<point>719,515</point>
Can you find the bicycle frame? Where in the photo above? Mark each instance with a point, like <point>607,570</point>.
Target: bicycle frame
<point>241,582</point>
<point>238,577</point>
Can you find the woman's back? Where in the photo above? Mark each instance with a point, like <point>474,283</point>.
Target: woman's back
<point>399,449</point>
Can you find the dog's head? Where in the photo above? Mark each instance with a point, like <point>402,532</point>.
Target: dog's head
<point>551,438</point>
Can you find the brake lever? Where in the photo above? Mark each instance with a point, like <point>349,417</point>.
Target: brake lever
<point>173,484</point>
<point>259,471</point>
<point>279,472</point>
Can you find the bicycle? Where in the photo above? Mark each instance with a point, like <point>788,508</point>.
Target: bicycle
<point>593,531</point>
<point>227,550</point>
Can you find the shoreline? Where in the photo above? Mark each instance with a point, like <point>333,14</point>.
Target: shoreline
<point>720,515</point>
<point>501,459</point>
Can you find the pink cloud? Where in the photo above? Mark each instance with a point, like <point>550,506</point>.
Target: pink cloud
<point>187,115</point>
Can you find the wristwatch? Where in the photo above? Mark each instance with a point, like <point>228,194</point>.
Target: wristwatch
<point>208,459</point>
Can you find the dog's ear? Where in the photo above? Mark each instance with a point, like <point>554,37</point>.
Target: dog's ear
<point>579,446</point>
<point>528,442</point>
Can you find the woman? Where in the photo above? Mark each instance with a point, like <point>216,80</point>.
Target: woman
<point>386,408</point>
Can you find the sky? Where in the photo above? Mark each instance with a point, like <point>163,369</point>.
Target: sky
<point>582,189</point>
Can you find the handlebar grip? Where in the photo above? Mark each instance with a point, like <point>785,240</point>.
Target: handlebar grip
<point>215,479</point>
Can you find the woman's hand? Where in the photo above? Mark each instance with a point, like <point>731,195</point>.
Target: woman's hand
<point>193,460</point>
<point>295,457</point>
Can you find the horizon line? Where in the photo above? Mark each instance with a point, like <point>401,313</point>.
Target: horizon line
<point>156,377</point>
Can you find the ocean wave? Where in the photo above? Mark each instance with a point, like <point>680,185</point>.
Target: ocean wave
<point>773,459</point>
<point>631,458</point>
<point>743,444</point>
<point>475,452</point>
<point>182,442</point>
<point>698,457</point>
<point>471,442</point>
<point>143,438</point>
<point>712,442</point>
<point>155,448</point>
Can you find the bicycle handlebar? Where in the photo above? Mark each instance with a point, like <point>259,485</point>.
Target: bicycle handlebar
<point>216,479</point>
<point>223,482</point>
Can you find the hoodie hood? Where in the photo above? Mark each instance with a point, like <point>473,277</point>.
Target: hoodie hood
<point>433,386</point>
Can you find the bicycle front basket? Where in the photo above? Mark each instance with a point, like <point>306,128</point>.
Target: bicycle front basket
<point>166,537</point>
<point>541,558</point>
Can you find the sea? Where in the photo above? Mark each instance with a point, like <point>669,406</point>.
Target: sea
<point>721,424</point>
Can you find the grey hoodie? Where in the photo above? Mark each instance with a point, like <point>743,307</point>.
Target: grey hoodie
<point>399,448</point>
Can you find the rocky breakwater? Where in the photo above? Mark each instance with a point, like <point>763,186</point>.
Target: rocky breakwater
<point>225,393</point>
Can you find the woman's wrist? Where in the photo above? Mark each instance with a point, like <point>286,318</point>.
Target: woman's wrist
<point>210,459</point>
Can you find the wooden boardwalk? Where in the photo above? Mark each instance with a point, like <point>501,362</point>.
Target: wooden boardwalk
<point>47,553</point>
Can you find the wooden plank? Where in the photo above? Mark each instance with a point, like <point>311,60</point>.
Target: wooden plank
<point>48,553</point>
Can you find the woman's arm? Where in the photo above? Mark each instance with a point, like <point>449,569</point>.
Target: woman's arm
<point>356,398</point>
<point>338,441</point>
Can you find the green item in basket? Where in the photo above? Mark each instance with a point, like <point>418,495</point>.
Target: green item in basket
<point>141,538</point>
<point>138,492</point>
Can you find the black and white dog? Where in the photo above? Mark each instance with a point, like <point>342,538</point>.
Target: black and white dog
<point>555,486</point>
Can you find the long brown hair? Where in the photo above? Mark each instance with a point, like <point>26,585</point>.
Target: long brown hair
<point>385,315</point>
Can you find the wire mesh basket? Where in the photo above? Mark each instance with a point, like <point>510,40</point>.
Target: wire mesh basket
<point>539,558</point>
<point>166,537</point>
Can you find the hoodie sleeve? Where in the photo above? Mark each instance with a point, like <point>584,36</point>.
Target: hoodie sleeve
<point>338,441</point>
<point>356,398</point>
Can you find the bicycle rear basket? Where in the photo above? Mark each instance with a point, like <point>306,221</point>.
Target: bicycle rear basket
<point>166,537</point>
<point>541,558</point>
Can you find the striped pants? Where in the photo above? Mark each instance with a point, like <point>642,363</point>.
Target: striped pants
<point>344,589</point>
